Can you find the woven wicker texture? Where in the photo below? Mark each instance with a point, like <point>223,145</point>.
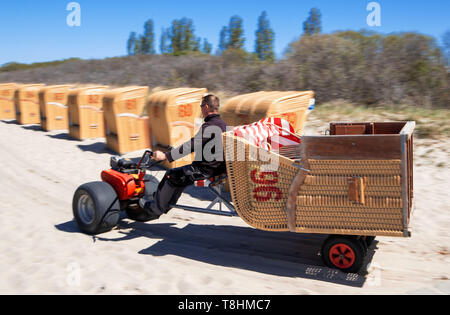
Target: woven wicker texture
<point>323,202</point>
<point>53,107</point>
<point>26,101</point>
<point>259,196</point>
<point>7,91</point>
<point>126,129</point>
<point>249,108</point>
<point>86,112</point>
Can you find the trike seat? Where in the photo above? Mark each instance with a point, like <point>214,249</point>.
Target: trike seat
<point>212,180</point>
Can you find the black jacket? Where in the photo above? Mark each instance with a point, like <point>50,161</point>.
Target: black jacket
<point>210,168</point>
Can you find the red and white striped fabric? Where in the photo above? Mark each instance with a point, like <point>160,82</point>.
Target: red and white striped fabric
<point>206,182</point>
<point>270,134</point>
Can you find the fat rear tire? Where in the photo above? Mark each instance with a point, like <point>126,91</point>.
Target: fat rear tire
<point>96,208</point>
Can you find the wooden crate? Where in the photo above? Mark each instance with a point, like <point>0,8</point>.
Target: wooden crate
<point>7,91</point>
<point>26,101</point>
<point>85,107</point>
<point>126,129</point>
<point>249,108</point>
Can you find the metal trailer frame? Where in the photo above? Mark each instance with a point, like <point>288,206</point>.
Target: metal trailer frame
<point>220,200</point>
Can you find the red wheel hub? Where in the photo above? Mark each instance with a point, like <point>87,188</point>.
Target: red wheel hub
<point>342,256</point>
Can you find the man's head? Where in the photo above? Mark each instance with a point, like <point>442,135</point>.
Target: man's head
<point>210,105</point>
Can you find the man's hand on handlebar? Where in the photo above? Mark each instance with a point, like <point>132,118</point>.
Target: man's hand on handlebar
<point>159,156</point>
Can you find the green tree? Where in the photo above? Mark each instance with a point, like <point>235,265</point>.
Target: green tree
<point>164,42</point>
<point>131,43</point>
<point>207,47</point>
<point>223,39</point>
<point>182,37</point>
<point>264,39</point>
<point>138,45</point>
<point>236,38</point>
<point>175,37</point>
<point>189,39</point>
<point>446,41</point>
<point>148,39</point>
<point>196,44</point>
<point>313,24</point>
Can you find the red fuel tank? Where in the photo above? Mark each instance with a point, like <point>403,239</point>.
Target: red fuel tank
<point>123,184</point>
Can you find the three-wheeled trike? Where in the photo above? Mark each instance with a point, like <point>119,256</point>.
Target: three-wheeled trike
<point>354,184</point>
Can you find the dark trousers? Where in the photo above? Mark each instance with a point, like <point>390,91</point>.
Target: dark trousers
<point>175,181</point>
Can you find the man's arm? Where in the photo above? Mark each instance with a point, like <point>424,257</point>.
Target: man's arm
<point>182,151</point>
<point>197,142</point>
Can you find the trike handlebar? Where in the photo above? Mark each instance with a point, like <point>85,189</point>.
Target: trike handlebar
<point>150,155</point>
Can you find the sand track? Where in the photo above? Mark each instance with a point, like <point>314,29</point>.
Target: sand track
<point>42,250</point>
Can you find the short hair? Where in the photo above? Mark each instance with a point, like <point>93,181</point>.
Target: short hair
<point>213,102</point>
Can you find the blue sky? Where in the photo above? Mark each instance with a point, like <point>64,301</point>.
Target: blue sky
<point>32,31</point>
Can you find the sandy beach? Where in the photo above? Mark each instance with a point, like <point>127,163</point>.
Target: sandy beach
<point>43,252</point>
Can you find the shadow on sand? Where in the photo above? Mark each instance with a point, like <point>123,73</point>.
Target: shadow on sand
<point>63,136</point>
<point>33,127</point>
<point>98,147</point>
<point>10,122</point>
<point>273,253</point>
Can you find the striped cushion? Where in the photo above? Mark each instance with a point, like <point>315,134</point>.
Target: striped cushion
<point>206,182</point>
<point>269,133</point>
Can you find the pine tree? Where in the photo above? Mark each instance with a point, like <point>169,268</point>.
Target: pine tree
<point>138,46</point>
<point>313,25</point>
<point>191,43</point>
<point>264,39</point>
<point>446,41</point>
<point>131,43</point>
<point>175,37</point>
<point>207,47</point>
<point>223,39</point>
<point>148,40</point>
<point>196,44</point>
<point>182,37</point>
<point>164,43</point>
<point>236,33</point>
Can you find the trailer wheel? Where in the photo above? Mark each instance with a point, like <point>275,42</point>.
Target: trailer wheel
<point>343,253</point>
<point>364,245</point>
<point>369,240</point>
<point>96,208</point>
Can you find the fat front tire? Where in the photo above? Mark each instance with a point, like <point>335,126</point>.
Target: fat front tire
<point>343,253</point>
<point>96,208</point>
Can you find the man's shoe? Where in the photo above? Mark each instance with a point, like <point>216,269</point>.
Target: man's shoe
<point>149,206</point>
